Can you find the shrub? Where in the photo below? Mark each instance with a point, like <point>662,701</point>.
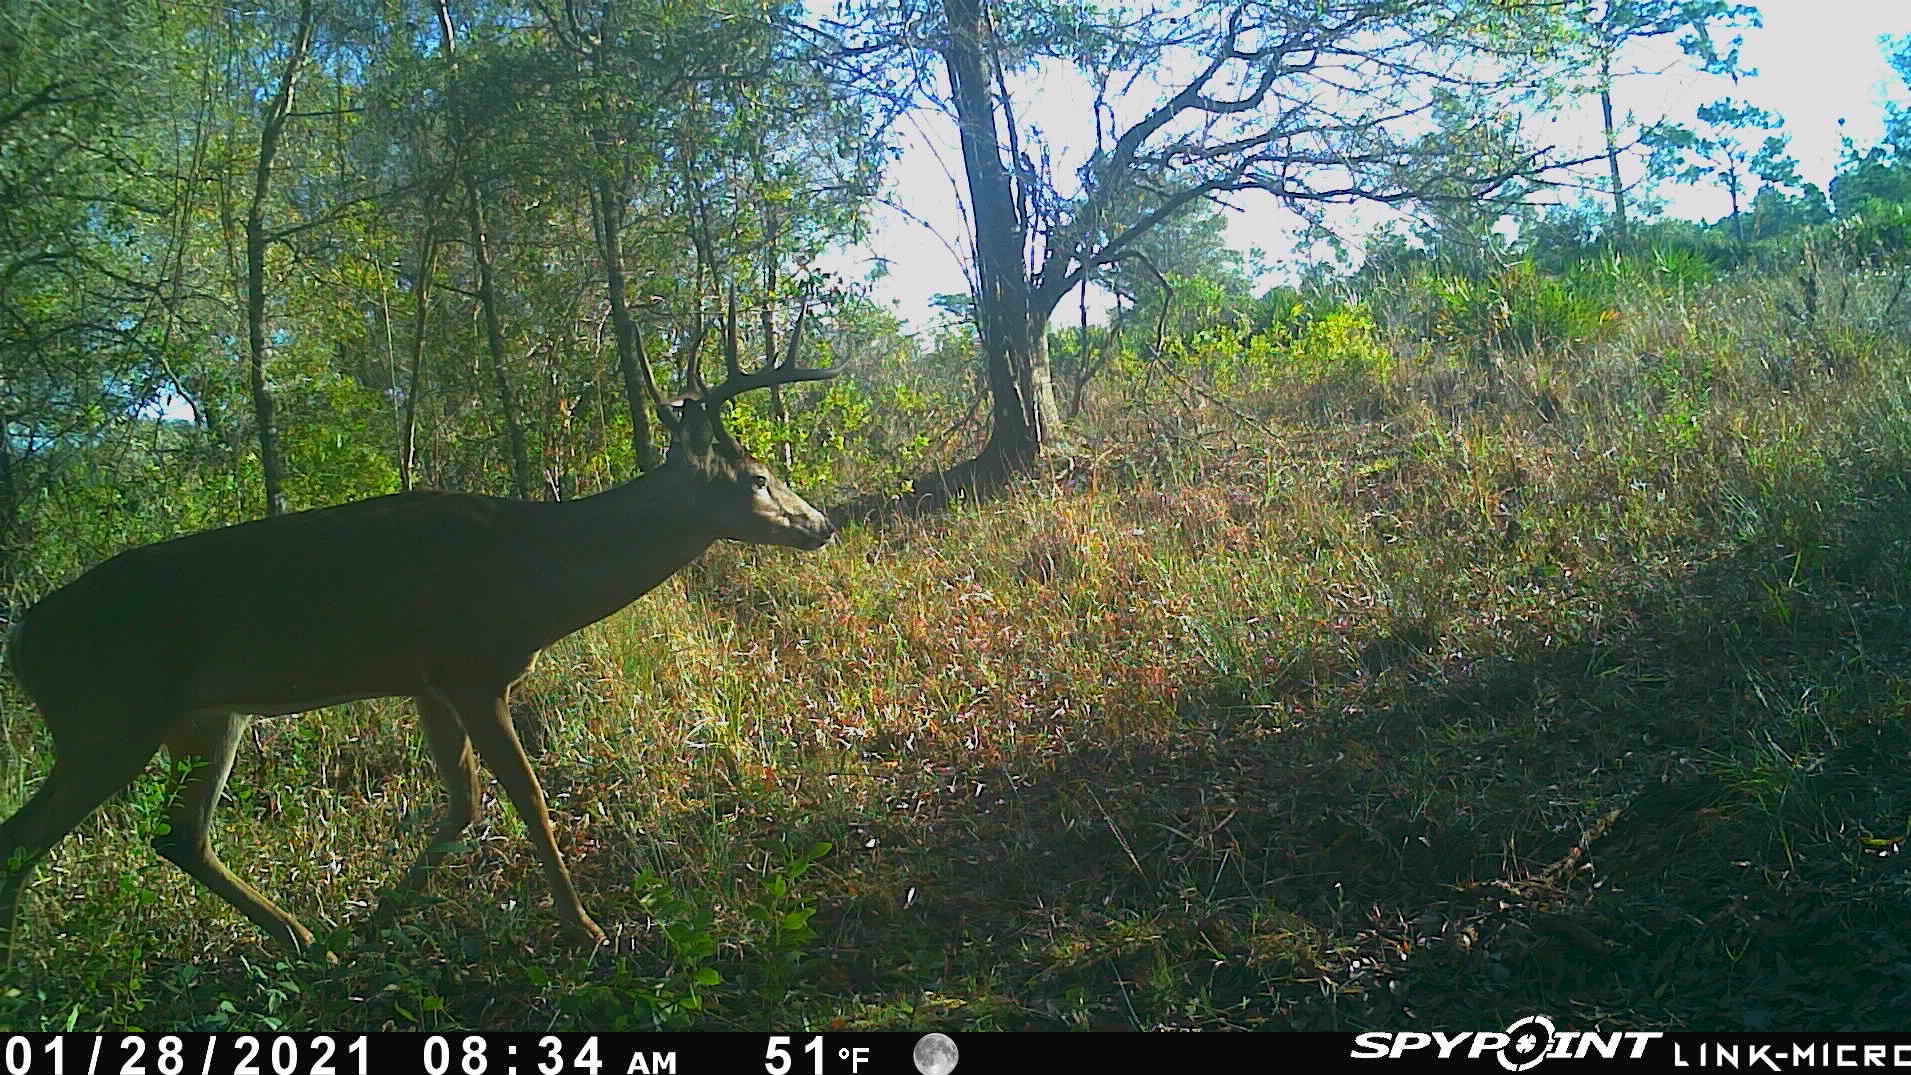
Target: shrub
<point>1518,308</point>
<point>1877,237</point>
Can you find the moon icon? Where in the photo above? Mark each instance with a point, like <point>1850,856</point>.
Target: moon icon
<point>935,1054</point>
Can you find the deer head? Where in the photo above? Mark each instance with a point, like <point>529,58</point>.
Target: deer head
<point>738,492</point>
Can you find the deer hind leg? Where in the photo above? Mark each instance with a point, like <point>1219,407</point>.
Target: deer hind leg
<point>85,776</point>
<point>202,748</point>
<point>487,720</point>
<point>458,770</point>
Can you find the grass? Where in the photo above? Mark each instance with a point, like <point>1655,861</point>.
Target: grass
<point>1470,705</point>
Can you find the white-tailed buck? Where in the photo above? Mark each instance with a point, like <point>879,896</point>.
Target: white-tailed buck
<point>445,598</point>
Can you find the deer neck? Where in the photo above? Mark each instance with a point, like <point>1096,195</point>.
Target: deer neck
<point>608,550</point>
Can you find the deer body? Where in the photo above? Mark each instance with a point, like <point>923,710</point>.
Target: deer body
<point>446,598</point>
<point>458,589</point>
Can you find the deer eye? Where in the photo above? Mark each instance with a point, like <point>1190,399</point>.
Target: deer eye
<point>760,482</point>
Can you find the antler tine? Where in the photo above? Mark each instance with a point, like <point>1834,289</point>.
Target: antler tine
<point>664,413</point>
<point>796,332</point>
<point>732,362</point>
<point>693,356</point>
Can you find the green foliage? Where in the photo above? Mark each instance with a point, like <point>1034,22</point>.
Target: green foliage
<point>692,988</point>
<point>1669,267</point>
<point>1681,397</point>
<point>1184,264</point>
<point>1337,345</point>
<point>633,999</point>
<point>1776,213</point>
<point>691,942</point>
<point>1878,176</point>
<point>782,920</point>
<point>1878,237</point>
<point>811,461</point>
<point>1517,308</point>
<point>334,427</point>
<point>867,431</point>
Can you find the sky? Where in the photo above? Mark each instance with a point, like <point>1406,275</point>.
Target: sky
<point>1817,62</point>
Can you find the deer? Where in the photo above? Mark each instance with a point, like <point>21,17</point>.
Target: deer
<point>445,598</point>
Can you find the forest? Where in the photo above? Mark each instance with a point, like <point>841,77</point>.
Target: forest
<point>1493,606</point>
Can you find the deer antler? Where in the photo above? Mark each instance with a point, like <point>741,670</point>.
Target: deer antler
<point>736,382</point>
<point>784,372</point>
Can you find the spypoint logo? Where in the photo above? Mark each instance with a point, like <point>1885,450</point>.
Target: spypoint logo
<point>1520,1047</point>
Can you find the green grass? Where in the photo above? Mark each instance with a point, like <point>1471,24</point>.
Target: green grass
<point>1480,705</point>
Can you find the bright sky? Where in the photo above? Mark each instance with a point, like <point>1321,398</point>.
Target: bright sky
<point>1818,61</point>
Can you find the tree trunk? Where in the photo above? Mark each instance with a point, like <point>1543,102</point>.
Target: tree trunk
<point>415,378</point>
<point>1013,332</point>
<point>1738,221</point>
<point>487,289</point>
<point>494,341</point>
<point>610,216</point>
<point>264,408</point>
<point>779,411</point>
<point>1612,151</point>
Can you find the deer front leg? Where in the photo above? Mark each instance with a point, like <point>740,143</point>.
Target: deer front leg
<point>487,720</point>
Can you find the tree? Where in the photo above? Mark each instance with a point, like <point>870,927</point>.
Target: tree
<point>1775,212</point>
<point>607,42</point>
<point>278,112</point>
<point>276,149</point>
<point>210,278</point>
<point>1316,104</point>
<point>483,253</point>
<point>1881,173</point>
<point>1874,175</point>
<point>408,118</point>
<point>1897,117</point>
<point>77,284</point>
<point>695,179</point>
<point>1719,151</point>
<point>1607,28</point>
